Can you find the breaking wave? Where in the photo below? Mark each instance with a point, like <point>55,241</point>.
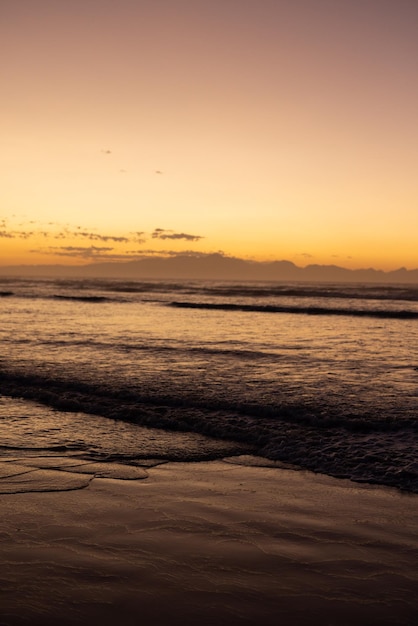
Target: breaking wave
<point>307,310</point>
<point>363,448</point>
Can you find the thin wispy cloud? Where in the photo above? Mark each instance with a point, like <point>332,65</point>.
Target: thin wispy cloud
<point>138,237</point>
<point>16,234</point>
<point>94,253</point>
<point>147,252</point>
<point>87,252</point>
<point>161,233</point>
<point>98,237</point>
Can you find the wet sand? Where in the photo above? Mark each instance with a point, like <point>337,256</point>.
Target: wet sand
<point>210,543</point>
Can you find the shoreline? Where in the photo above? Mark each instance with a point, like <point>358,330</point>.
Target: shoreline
<point>210,542</point>
<point>363,455</point>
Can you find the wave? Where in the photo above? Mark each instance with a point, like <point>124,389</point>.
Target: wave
<point>250,355</point>
<point>44,448</point>
<point>83,298</point>
<point>129,403</point>
<point>308,310</point>
<point>303,290</point>
<point>361,447</point>
<point>250,289</point>
<point>77,298</point>
<point>134,289</point>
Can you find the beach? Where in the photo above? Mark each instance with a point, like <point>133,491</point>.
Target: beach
<point>209,313</point>
<point>187,466</point>
<point>219,542</point>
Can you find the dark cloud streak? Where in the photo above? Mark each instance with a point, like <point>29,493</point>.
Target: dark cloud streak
<point>161,233</point>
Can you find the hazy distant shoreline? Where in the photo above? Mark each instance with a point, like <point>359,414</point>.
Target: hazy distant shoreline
<point>213,267</point>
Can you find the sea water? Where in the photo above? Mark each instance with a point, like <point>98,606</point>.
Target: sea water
<point>316,376</point>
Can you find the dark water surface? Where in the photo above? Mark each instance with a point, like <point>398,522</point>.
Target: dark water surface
<point>320,376</point>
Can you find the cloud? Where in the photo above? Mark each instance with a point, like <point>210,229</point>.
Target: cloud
<point>161,233</point>
<point>97,237</point>
<point>105,253</point>
<point>146,252</point>
<point>76,251</point>
<point>67,234</point>
<point>54,230</point>
<point>92,253</point>
<point>16,234</point>
<point>64,237</point>
<point>139,236</point>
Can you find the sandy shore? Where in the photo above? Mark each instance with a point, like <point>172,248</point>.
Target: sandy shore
<point>210,543</point>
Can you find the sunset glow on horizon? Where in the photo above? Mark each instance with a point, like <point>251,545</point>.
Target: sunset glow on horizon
<point>282,129</point>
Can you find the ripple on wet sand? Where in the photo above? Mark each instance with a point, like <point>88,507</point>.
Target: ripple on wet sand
<point>60,474</point>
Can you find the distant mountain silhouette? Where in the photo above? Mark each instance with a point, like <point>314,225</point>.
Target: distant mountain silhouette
<point>216,267</point>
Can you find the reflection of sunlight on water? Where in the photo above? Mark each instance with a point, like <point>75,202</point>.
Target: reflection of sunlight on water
<point>252,357</point>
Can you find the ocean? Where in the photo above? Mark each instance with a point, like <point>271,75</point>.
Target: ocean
<point>321,377</point>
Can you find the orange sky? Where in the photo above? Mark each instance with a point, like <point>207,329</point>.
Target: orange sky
<point>267,129</point>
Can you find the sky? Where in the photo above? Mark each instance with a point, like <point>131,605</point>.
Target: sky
<point>264,129</point>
